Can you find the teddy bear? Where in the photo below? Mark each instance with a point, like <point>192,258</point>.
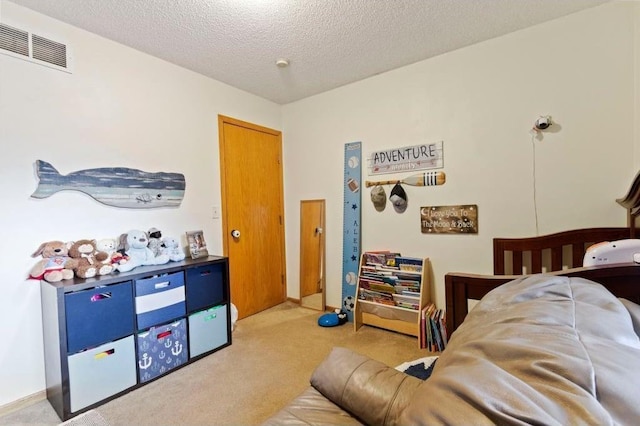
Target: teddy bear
<point>135,243</point>
<point>173,249</point>
<point>55,265</point>
<point>109,245</point>
<point>89,258</point>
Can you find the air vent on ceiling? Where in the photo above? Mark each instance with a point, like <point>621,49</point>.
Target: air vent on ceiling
<point>32,47</point>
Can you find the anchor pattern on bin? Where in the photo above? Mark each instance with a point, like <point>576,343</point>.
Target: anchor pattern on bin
<point>162,348</point>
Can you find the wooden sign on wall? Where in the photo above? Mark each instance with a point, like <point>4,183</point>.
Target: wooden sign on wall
<point>449,219</point>
<point>408,158</point>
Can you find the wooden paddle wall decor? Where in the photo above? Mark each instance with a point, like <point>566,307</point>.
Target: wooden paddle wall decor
<point>419,179</point>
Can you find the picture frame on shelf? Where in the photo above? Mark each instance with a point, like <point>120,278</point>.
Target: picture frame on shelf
<point>197,244</point>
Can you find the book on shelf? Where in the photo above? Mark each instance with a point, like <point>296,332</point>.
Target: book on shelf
<point>376,296</point>
<point>405,305</point>
<point>401,288</point>
<point>384,257</point>
<point>406,298</point>
<point>386,271</point>
<point>408,275</point>
<point>408,285</point>
<point>412,264</point>
<point>382,287</point>
<point>409,302</point>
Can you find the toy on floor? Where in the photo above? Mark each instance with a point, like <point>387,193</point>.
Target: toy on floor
<point>332,319</point>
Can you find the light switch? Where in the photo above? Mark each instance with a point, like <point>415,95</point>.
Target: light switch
<point>215,212</point>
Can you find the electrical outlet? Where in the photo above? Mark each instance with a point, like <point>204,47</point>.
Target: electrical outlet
<point>215,212</point>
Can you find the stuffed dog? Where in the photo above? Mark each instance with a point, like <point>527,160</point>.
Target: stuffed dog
<point>135,244</point>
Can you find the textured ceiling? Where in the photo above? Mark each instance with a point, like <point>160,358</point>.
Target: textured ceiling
<point>329,43</point>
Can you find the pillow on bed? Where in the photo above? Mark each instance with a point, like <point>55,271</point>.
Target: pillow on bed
<point>634,311</point>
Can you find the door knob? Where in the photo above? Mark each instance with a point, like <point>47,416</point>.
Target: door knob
<point>235,233</point>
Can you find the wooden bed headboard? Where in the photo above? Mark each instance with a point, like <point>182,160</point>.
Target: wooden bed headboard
<point>547,253</point>
<point>623,281</point>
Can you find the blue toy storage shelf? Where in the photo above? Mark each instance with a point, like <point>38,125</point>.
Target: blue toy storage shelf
<point>98,331</point>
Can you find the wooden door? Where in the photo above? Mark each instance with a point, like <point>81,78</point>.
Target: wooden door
<point>253,205</point>
<point>311,247</point>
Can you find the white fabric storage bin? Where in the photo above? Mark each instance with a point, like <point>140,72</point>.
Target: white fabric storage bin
<point>101,372</point>
<point>208,330</point>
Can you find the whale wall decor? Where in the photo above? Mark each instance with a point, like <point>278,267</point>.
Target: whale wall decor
<point>114,186</point>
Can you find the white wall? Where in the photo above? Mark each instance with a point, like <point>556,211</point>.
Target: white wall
<point>119,108</point>
<point>481,101</point>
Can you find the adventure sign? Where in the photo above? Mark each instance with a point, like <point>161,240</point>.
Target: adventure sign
<point>417,157</point>
<point>449,219</point>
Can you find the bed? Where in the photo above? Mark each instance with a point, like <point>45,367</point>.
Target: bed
<point>560,253</point>
<point>557,348</point>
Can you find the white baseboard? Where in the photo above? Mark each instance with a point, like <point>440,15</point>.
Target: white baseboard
<point>22,402</point>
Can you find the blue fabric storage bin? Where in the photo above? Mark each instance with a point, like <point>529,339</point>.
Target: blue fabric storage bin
<point>159,299</point>
<point>205,286</point>
<point>98,315</point>
<point>161,349</point>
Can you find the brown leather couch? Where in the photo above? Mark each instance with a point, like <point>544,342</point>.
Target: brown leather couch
<point>347,382</point>
<point>539,350</point>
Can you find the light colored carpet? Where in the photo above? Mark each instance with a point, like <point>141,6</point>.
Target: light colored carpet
<point>269,363</point>
<point>89,418</point>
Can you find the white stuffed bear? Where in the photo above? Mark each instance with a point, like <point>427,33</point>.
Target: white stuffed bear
<point>173,249</point>
<point>135,243</point>
<point>107,245</point>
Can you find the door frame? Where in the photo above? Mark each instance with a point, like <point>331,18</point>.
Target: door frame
<point>323,255</point>
<point>222,120</point>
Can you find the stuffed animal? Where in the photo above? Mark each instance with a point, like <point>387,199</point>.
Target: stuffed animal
<point>136,243</point>
<point>155,241</point>
<point>119,258</point>
<point>109,245</point>
<point>89,259</point>
<point>55,265</point>
<point>173,249</point>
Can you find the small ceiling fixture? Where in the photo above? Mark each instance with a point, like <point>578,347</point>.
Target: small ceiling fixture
<point>282,63</point>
